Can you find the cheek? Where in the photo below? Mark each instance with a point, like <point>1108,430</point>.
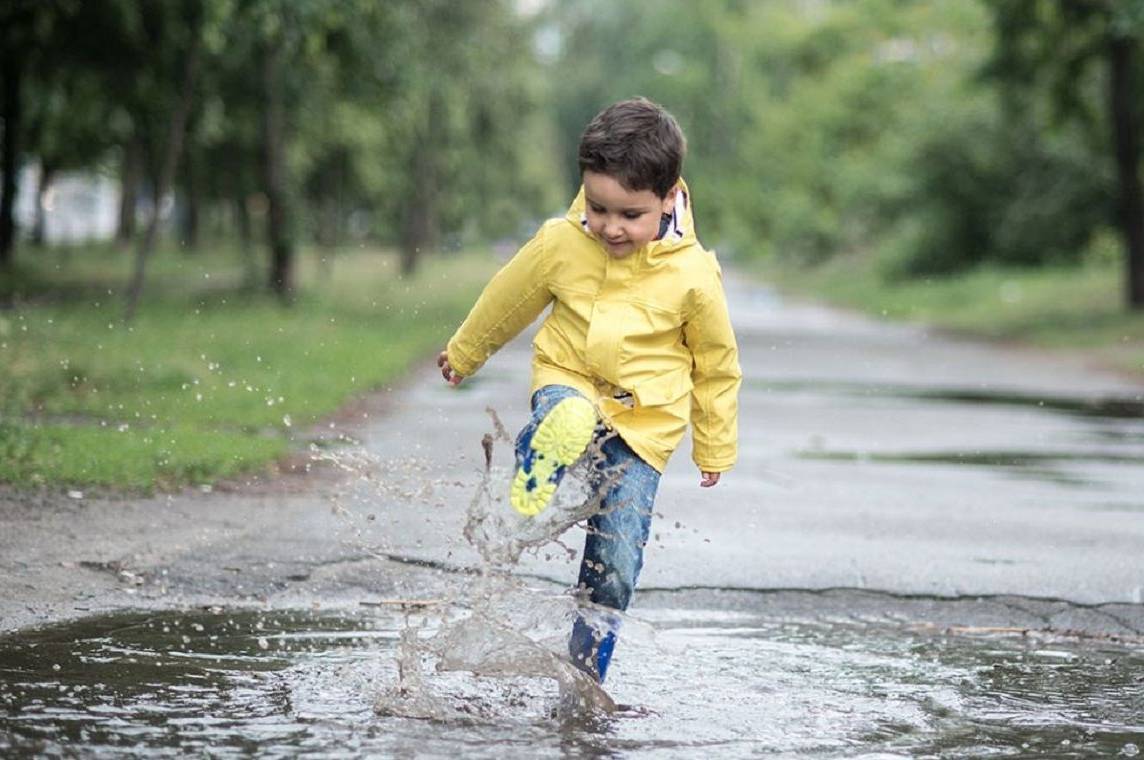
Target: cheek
<point>644,229</point>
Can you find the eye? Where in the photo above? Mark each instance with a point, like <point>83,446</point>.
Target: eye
<point>595,209</point>
<point>632,214</point>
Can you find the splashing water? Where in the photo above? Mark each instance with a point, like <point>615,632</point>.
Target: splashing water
<point>489,624</point>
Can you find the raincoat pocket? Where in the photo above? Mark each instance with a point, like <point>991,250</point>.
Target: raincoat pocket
<point>663,389</point>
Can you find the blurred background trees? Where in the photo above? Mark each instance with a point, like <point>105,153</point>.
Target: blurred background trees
<point>275,121</point>
<point>926,138</point>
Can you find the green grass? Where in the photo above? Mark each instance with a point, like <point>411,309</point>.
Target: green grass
<point>1080,307</point>
<point>211,380</point>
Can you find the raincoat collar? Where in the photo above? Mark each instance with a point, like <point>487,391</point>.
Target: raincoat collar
<point>680,230</point>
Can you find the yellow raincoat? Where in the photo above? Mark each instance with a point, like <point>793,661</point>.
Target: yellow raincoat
<point>653,323</point>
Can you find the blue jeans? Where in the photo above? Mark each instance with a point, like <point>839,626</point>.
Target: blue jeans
<point>617,533</point>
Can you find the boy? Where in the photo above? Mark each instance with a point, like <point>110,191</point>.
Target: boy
<point>638,342</point>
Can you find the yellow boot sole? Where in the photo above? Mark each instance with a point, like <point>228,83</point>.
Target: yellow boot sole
<point>559,441</point>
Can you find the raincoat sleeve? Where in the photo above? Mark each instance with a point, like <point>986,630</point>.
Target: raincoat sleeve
<point>716,377</point>
<point>509,303</point>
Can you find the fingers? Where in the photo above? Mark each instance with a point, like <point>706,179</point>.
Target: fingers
<point>709,479</point>
<point>447,372</point>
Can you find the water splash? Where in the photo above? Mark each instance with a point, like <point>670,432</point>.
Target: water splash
<point>488,624</point>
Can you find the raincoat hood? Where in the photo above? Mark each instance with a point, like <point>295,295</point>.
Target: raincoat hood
<point>680,230</point>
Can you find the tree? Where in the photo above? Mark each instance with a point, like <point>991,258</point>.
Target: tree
<point>288,45</point>
<point>26,30</point>
<point>68,68</point>
<point>12,69</point>
<point>459,93</point>
<point>278,231</point>
<point>416,115</point>
<point>191,14</point>
<point>1056,47</point>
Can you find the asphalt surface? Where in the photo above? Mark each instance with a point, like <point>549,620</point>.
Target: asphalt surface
<point>884,470</point>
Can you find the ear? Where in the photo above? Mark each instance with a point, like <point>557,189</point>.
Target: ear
<point>668,203</point>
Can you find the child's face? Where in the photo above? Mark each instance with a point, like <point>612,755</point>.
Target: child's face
<point>622,220</point>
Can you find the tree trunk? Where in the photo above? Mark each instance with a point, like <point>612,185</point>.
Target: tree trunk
<point>420,225</point>
<point>12,72</point>
<point>1126,136</point>
<point>250,278</point>
<point>274,174</point>
<point>130,175</point>
<point>327,237</point>
<point>190,218</point>
<point>419,221</point>
<point>174,148</point>
<point>329,208</point>
<point>39,224</point>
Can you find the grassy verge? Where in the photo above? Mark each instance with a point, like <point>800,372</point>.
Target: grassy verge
<point>1079,308</point>
<point>211,379</point>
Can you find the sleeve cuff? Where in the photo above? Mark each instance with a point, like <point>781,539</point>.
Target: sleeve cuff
<point>461,362</point>
<point>714,465</point>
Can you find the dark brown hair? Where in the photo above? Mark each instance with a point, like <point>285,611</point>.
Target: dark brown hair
<point>637,143</point>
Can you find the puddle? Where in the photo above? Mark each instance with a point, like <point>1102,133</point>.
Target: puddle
<point>1077,442</point>
<point>1108,407</point>
<point>975,458</point>
<point>287,683</point>
<point>1048,466</point>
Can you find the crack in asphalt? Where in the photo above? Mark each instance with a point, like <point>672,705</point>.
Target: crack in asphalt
<point>904,595</point>
<point>1018,604</point>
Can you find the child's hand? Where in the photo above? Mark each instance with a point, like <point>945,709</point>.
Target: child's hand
<point>447,372</point>
<point>709,479</point>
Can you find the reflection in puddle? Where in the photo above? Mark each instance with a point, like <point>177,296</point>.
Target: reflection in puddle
<point>975,458</point>
<point>1095,406</point>
<point>284,683</point>
<point>1108,434</point>
<point>1047,466</point>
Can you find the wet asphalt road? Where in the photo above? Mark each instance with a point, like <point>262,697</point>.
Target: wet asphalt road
<point>875,458</point>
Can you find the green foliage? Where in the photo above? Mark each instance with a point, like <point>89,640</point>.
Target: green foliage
<point>940,134</point>
<point>986,188</point>
<point>391,110</point>
<point>801,117</point>
<point>367,84</point>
